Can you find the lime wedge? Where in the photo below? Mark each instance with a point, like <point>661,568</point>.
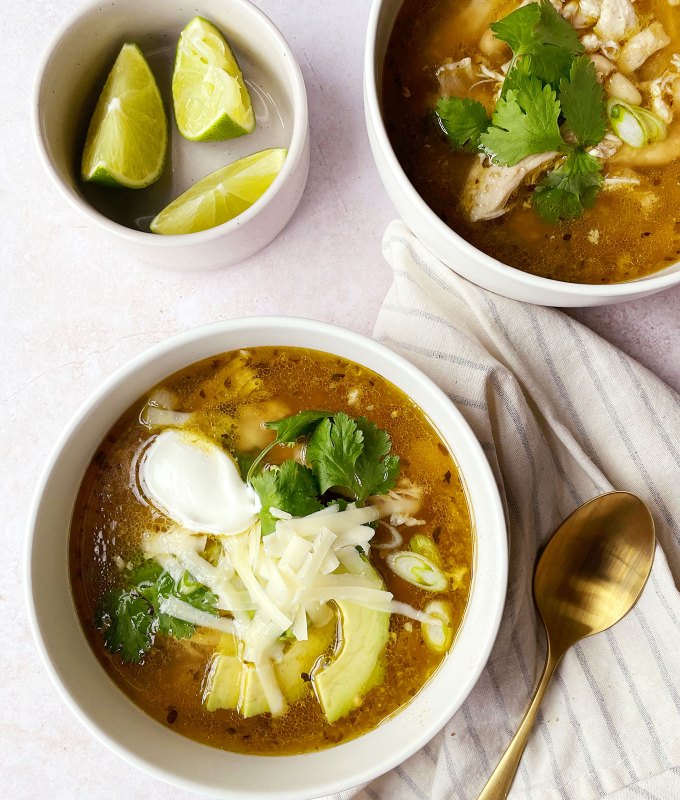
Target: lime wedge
<point>128,133</point>
<point>210,96</point>
<point>222,195</point>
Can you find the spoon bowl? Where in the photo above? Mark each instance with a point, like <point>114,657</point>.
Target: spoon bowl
<point>588,577</point>
<point>594,568</point>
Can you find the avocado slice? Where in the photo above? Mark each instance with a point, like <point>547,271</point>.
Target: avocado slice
<point>251,700</point>
<point>301,657</point>
<point>340,686</point>
<point>357,666</point>
<point>233,683</point>
<point>222,686</point>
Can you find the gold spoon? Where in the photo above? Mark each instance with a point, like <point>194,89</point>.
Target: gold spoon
<point>588,577</point>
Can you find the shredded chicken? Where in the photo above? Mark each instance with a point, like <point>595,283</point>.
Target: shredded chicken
<point>488,188</point>
<point>459,78</point>
<point>401,503</point>
<point>641,46</point>
<point>590,10</point>
<point>456,77</point>
<point>609,48</point>
<point>607,148</point>
<point>582,14</point>
<point>664,91</point>
<point>617,20</point>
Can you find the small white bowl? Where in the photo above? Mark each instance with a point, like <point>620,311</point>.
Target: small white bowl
<point>452,249</point>
<point>72,74</point>
<point>136,737</point>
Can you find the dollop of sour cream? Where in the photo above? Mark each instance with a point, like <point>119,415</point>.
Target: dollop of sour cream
<point>190,479</point>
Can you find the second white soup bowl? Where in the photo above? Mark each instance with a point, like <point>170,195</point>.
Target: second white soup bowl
<point>452,249</point>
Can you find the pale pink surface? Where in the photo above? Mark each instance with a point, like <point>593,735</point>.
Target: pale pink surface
<point>72,310</point>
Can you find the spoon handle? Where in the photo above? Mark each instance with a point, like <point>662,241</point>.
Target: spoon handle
<point>499,784</point>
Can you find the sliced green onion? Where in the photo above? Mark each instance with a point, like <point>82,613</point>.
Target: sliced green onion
<point>635,126</point>
<point>418,570</point>
<point>422,544</point>
<point>187,585</point>
<point>438,634</point>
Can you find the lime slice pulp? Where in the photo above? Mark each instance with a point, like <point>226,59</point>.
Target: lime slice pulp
<point>209,94</point>
<point>128,134</point>
<point>222,195</point>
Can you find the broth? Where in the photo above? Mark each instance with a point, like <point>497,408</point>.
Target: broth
<point>265,383</point>
<point>628,233</point>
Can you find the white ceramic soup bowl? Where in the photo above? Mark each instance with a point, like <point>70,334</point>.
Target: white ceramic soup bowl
<point>101,706</point>
<point>452,249</point>
<point>72,74</point>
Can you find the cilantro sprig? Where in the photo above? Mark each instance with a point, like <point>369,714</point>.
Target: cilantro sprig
<point>463,121</point>
<point>525,122</point>
<point>130,616</point>
<point>550,101</point>
<point>565,192</point>
<point>351,456</point>
<point>538,34</point>
<point>290,487</point>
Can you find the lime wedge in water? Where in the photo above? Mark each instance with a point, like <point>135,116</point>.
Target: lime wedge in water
<point>128,134</point>
<point>222,195</point>
<point>210,96</point>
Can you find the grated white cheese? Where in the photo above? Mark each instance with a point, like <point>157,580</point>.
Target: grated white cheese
<point>280,582</point>
<point>177,608</point>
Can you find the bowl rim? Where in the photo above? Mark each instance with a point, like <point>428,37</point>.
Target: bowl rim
<point>534,283</point>
<point>296,149</point>
<point>494,604</point>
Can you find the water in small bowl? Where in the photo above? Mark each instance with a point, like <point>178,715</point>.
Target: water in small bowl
<point>188,162</point>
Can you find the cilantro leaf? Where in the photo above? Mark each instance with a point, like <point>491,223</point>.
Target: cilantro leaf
<point>534,26</point>
<point>553,29</point>
<point>333,451</point>
<point>463,121</point>
<point>549,64</point>
<point>130,617</point>
<point>537,34</point>
<point>520,71</point>
<point>518,28</point>
<point>342,452</point>
<point>244,462</point>
<point>582,101</point>
<point>376,471</point>
<point>290,487</point>
<point>127,624</point>
<point>565,192</point>
<point>289,429</point>
<point>298,488</point>
<point>266,486</point>
<point>524,123</point>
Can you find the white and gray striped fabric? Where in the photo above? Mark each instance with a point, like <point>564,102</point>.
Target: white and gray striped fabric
<point>562,416</point>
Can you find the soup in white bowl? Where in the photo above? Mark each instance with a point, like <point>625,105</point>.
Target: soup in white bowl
<point>441,682</point>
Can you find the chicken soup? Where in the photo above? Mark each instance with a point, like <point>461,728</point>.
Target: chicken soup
<point>271,552</point>
<point>546,134</point>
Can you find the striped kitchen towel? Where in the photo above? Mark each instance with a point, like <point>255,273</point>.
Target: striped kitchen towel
<point>562,416</point>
